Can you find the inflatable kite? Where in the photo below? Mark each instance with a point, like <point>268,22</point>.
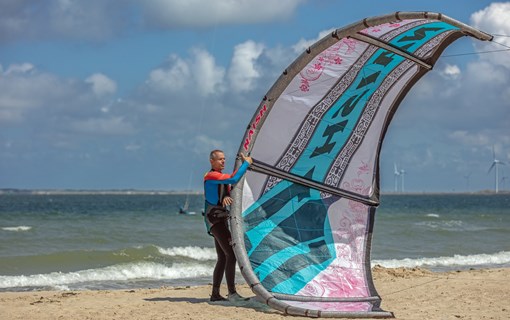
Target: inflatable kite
<point>304,215</point>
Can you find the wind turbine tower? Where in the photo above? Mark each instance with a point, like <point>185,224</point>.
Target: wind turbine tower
<point>495,164</point>
<point>503,180</point>
<point>402,174</point>
<point>396,173</point>
<point>467,181</point>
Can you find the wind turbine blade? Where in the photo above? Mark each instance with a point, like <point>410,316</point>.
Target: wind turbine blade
<point>493,164</point>
<point>493,153</point>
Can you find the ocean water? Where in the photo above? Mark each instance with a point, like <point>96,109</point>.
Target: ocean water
<point>76,242</point>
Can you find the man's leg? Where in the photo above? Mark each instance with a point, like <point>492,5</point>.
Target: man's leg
<point>219,269</point>
<point>223,238</point>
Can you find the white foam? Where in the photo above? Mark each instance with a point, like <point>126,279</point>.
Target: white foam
<point>499,258</point>
<point>17,229</point>
<point>197,253</point>
<point>132,271</point>
<point>433,215</point>
<point>450,225</point>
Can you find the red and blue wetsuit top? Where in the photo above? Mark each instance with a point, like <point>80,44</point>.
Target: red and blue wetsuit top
<point>217,187</point>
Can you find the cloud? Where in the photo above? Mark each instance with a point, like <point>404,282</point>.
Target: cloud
<point>243,72</point>
<point>197,73</point>
<point>470,139</point>
<point>208,76</point>
<point>304,44</point>
<point>133,147</point>
<point>19,68</point>
<point>173,77</point>
<point>102,126</point>
<point>101,84</point>
<point>23,88</point>
<point>494,20</point>
<point>194,102</point>
<point>94,20</point>
<point>451,71</point>
<point>204,13</point>
<point>100,20</point>
<point>54,107</point>
<point>203,144</point>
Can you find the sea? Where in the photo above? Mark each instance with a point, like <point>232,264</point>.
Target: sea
<point>127,241</point>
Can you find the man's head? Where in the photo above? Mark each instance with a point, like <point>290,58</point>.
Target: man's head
<point>217,159</point>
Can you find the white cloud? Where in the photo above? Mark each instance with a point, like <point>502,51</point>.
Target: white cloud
<point>173,78</point>
<point>303,44</point>
<point>100,20</point>
<point>23,88</point>
<point>14,18</point>
<point>18,94</point>
<point>94,20</point>
<point>133,147</point>
<point>54,105</point>
<point>19,68</point>
<point>470,139</point>
<point>243,71</point>
<point>484,72</point>
<point>203,144</point>
<point>196,73</point>
<point>108,126</point>
<point>494,20</point>
<point>451,71</point>
<point>208,76</point>
<point>101,84</point>
<point>205,13</point>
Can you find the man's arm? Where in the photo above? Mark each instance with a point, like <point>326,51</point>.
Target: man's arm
<point>222,178</point>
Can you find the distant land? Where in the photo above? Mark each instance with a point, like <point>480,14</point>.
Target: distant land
<point>106,192</point>
<point>196,192</point>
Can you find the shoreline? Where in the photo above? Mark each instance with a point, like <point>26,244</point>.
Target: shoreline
<point>413,293</point>
<point>15,191</point>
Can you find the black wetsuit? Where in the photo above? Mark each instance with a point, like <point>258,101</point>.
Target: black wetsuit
<point>226,258</point>
<point>216,188</point>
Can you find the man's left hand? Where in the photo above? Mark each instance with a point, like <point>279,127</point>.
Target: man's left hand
<point>227,201</point>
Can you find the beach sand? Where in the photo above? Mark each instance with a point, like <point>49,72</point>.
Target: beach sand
<point>408,293</point>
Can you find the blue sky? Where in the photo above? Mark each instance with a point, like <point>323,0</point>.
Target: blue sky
<point>106,94</point>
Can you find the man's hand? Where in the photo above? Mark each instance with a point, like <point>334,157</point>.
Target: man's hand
<point>227,201</point>
<point>247,158</point>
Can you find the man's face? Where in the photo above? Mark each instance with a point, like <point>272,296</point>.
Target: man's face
<point>218,161</point>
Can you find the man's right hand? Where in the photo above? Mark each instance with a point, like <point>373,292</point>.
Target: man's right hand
<point>247,158</point>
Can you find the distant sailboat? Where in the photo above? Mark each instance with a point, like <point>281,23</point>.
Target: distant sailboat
<point>184,209</point>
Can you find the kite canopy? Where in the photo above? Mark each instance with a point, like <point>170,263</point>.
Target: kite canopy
<point>303,217</point>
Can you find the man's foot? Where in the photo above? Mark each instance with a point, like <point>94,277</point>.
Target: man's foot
<point>217,297</point>
<point>235,297</point>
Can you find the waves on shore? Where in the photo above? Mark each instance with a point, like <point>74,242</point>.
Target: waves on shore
<point>156,266</point>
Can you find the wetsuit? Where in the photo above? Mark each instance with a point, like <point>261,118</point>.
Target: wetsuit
<point>217,187</point>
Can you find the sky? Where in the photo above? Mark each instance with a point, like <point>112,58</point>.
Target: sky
<point>124,94</point>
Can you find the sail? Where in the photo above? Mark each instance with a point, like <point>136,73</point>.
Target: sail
<point>304,215</point>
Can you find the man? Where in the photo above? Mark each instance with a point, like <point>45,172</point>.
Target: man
<point>217,198</point>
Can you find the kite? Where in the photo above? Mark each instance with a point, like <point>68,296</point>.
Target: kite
<point>303,216</point>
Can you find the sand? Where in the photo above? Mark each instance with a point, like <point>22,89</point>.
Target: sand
<point>409,293</point>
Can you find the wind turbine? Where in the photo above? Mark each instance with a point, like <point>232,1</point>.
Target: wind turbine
<point>467,180</point>
<point>503,180</point>
<point>495,164</point>
<point>396,173</point>
<point>402,174</point>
